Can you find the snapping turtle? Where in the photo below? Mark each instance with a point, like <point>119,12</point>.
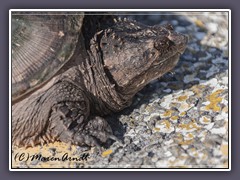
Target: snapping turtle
<point>68,70</point>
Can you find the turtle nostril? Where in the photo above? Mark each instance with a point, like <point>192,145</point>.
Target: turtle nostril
<point>171,43</point>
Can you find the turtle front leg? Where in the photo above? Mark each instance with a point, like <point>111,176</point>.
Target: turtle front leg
<point>78,129</point>
<point>70,122</point>
<point>60,113</point>
<point>97,131</point>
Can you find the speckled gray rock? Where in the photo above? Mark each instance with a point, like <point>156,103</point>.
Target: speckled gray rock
<point>185,113</point>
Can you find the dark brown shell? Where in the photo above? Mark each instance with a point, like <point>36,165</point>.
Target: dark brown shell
<point>41,44</point>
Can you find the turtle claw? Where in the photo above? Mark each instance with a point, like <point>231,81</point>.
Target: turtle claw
<point>95,133</point>
<point>100,129</point>
<point>115,138</point>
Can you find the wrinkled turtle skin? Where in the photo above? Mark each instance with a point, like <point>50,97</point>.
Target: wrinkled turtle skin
<point>69,70</point>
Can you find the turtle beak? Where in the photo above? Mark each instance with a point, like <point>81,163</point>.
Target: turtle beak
<point>179,40</point>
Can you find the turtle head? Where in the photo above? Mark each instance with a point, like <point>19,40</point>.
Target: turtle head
<point>135,54</point>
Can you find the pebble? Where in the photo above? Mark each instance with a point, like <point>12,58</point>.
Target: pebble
<point>221,130</point>
<point>200,35</point>
<point>213,27</point>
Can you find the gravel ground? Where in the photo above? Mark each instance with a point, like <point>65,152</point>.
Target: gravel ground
<point>177,121</point>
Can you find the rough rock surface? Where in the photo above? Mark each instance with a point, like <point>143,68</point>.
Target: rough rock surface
<point>178,121</point>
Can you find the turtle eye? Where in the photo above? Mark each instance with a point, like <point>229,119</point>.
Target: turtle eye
<point>161,44</point>
<point>168,26</point>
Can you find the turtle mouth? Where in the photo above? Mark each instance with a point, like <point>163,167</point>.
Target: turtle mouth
<point>158,62</point>
<point>176,46</point>
<point>180,53</point>
<point>168,62</point>
<point>158,69</point>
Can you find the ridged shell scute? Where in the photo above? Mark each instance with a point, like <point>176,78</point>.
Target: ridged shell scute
<point>41,44</point>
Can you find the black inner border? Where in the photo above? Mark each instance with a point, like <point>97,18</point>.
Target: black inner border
<point>185,4</point>
<point>145,168</point>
